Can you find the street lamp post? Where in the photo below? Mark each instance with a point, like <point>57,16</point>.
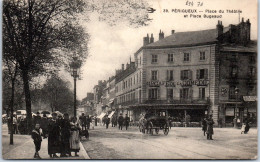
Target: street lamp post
<point>236,92</point>
<point>74,68</point>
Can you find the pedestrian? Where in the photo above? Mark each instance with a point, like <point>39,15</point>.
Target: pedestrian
<point>44,126</point>
<point>88,121</point>
<point>170,119</point>
<point>210,131</point>
<point>65,136</point>
<point>15,129</point>
<point>37,118</point>
<point>238,122</point>
<point>120,121</point>
<point>37,139</point>
<point>95,120</point>
<point>247,127</point>
<point>220,122</point>
<point>243,128</point>
<point>126,121</point>
<point>74,137</point>
<point>83,121</point>
<point>54,136</point>
<point>107,121</point>
<point>204,125</point>
<point>113,121</point>
<point>187,120</point>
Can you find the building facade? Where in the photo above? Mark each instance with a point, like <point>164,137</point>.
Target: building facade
<point>185,73</point>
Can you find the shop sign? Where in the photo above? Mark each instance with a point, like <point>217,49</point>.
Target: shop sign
<point>249,98</point>
<point>174,83</point>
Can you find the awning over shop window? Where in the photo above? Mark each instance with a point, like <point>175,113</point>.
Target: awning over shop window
<point>111,114</point>
<point>111,101</point>
<point>250,98</point>
<point>101,115</point>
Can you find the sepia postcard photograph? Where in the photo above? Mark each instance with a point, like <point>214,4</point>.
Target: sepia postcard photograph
<point>129,79</point>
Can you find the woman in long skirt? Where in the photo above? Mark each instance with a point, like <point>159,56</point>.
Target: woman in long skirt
<point>74,136</point>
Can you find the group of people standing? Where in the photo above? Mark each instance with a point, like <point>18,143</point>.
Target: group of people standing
<point>121,121</point>
<point>62,133</point>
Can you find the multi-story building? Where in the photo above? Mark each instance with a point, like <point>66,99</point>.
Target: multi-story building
<point>98,91</point>
<point>183,72</point>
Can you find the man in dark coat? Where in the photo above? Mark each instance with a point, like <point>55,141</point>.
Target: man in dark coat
<point>36,119</point>
<point>107,121</point>
<point>65,136</point>
<point>127,121</point>
<point>88,121</point>
<point>83,121</point>
<point>44,125</point>
<point>54,136</point>
<point>204,125</point>
<point>210,131</point>
<point>120,121</point>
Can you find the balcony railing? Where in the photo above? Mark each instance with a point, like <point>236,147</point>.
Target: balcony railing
<point>178,101</point>
<point>167,101</point>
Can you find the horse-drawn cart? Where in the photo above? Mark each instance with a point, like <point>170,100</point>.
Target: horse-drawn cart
<point>154,121</point>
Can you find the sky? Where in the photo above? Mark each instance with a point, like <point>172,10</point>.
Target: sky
<point>111,46</point>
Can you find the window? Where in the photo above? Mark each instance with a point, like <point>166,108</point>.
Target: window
<point>186,57</point>
<point>202,93</point>
<point>234,71</point>
<point>134,79</point>
<point>137,78</point>
<point>154,75</point>
<point>232,94</point>
<point>251,59</point>
<point>154,58</point>
<point>202,74</point>
<point>202,56</point>
<point>170,75</point>
<point>153,93</point>
<point>140,61</point>
<point>140,77</point>
<point>184,93</point>
<point>186,74</point>
<point>169,93</point>
<point>170,57</point>
<point>252,71</point>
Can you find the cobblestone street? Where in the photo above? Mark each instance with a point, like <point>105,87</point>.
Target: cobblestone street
<point>181,143</point>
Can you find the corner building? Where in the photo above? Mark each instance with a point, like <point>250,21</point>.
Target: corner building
<point>180,72</point>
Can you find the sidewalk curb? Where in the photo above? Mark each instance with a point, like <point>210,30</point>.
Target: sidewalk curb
<point>83,151</point>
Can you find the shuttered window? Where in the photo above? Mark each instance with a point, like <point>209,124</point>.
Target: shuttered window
<point>186,74</point>
<point>153,93</point>
<point>169,74</point>
<point>202,93</point>
<point>202,74</point>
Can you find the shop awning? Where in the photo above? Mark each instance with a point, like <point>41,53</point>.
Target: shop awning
<point>111,114</point>
<point>101,115</point>
<point>250,98</point>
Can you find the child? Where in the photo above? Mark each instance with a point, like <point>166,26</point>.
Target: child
<point>243,128</point>
<point>37,139</point>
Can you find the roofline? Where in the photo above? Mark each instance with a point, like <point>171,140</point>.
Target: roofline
<point>174,46</point>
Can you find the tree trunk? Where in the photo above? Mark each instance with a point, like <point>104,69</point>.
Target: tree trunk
<point>11,107</point>
<point>27,100</point>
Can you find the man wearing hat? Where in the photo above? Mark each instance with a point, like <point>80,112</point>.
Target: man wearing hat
<point>54,136</point>
<point>120,121</point>
<point>65,136</point>
<point>36,119</point>
<point>210,131</point>
<point>127,121</point>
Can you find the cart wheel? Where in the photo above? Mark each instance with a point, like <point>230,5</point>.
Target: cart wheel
<point>165,130</point>
<point>157,130</point>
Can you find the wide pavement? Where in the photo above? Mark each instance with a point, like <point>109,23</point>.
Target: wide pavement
<point>23,148</point>
<point>181,143</point>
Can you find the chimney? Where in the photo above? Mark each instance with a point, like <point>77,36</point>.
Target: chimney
<point>151,39</point>
<point>146,40</point>
<point>173,32</point>
<point>123,66</point>
<point>127,65</point>
<point>219,29</point>
<point>161,35</point>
